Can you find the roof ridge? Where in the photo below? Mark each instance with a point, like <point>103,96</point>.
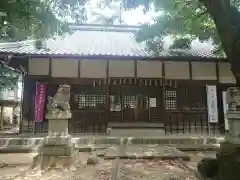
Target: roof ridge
<point>105,28</point>
<point>16,44</point>
<point>103,25</point>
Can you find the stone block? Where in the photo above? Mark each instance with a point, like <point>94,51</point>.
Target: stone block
<point>233,98</point>
<point>56,150</point>
<point>16,142</point>
<point>62,162</point>
<point>58,127</point>
<point>57,140</point>
<point>149,132</point>
<point>233,115</point>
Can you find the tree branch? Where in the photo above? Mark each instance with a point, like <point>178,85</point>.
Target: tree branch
<point>220,11</point>
<point>227,20</point>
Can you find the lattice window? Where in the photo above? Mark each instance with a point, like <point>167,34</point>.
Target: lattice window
<point>84,100</point>
<point>170,100</point>
<point>130,101</point>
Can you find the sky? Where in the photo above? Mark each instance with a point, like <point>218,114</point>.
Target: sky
<point>95,10</point>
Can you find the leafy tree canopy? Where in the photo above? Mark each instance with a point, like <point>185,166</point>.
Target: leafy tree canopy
<point>182,20</point>
<point>23,19</point>
<point>8,78</point>
<point>185,21</point>
<point>34,19</point>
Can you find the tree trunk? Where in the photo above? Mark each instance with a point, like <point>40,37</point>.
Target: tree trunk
<point>227,20</point>
<point>235,67</point>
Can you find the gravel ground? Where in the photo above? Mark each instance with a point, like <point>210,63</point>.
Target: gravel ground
<point>16,167</point>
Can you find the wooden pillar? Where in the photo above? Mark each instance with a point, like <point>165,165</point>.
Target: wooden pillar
<point>107,96</point>
<point>24,98</point>
<point>23,101</point>
<point>221,118</point>
<point>190,70</point>
<point>163,97</point>
<point>21,108</point>
<point>2,117</point>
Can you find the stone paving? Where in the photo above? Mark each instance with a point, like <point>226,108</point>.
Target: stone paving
<point>16,167</point>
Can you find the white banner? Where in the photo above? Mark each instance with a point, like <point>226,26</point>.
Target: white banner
<point>212,104</point>
<point>225,108</point>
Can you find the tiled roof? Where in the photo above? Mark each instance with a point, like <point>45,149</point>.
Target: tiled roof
<point>92,42</point>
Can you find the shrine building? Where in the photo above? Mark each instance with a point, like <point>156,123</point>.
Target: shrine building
<point>115,83</point>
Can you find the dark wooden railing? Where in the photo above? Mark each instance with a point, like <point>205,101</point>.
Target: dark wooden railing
<point>88,121</point>
<point>189,122</point>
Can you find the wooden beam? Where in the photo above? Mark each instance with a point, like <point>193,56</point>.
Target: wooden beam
<point>130,58</point>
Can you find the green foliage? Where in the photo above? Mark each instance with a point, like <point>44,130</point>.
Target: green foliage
<point>23,19</point>
<point>35,19</point>
<point>8,78</point>
<point>183,42</point>
<point>184,21</point>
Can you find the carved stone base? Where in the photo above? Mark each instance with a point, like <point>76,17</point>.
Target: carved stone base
<point>45,162</point>
<point>57,140</point>
<point>56,152</point>
<point>225,167</point>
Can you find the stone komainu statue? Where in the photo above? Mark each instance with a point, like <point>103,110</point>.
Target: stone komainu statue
<point>59,103</point>
<point>233,99</point>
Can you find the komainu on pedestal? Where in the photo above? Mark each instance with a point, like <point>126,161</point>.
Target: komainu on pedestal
<point>58,149</point>
<point>58,106</point>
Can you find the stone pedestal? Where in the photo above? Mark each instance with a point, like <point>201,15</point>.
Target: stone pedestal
<point>57,150</point>
<point>233,115</point>
<point>234,127</point>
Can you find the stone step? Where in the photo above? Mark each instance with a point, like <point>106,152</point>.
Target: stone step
<point>101,148</point>
<point>18,149</point>
<point>123,132</point>
<point>21,145</point>
<point>212,147</point>
<point>35,141</point>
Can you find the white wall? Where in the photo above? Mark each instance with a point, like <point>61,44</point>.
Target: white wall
<point>70,68</point>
